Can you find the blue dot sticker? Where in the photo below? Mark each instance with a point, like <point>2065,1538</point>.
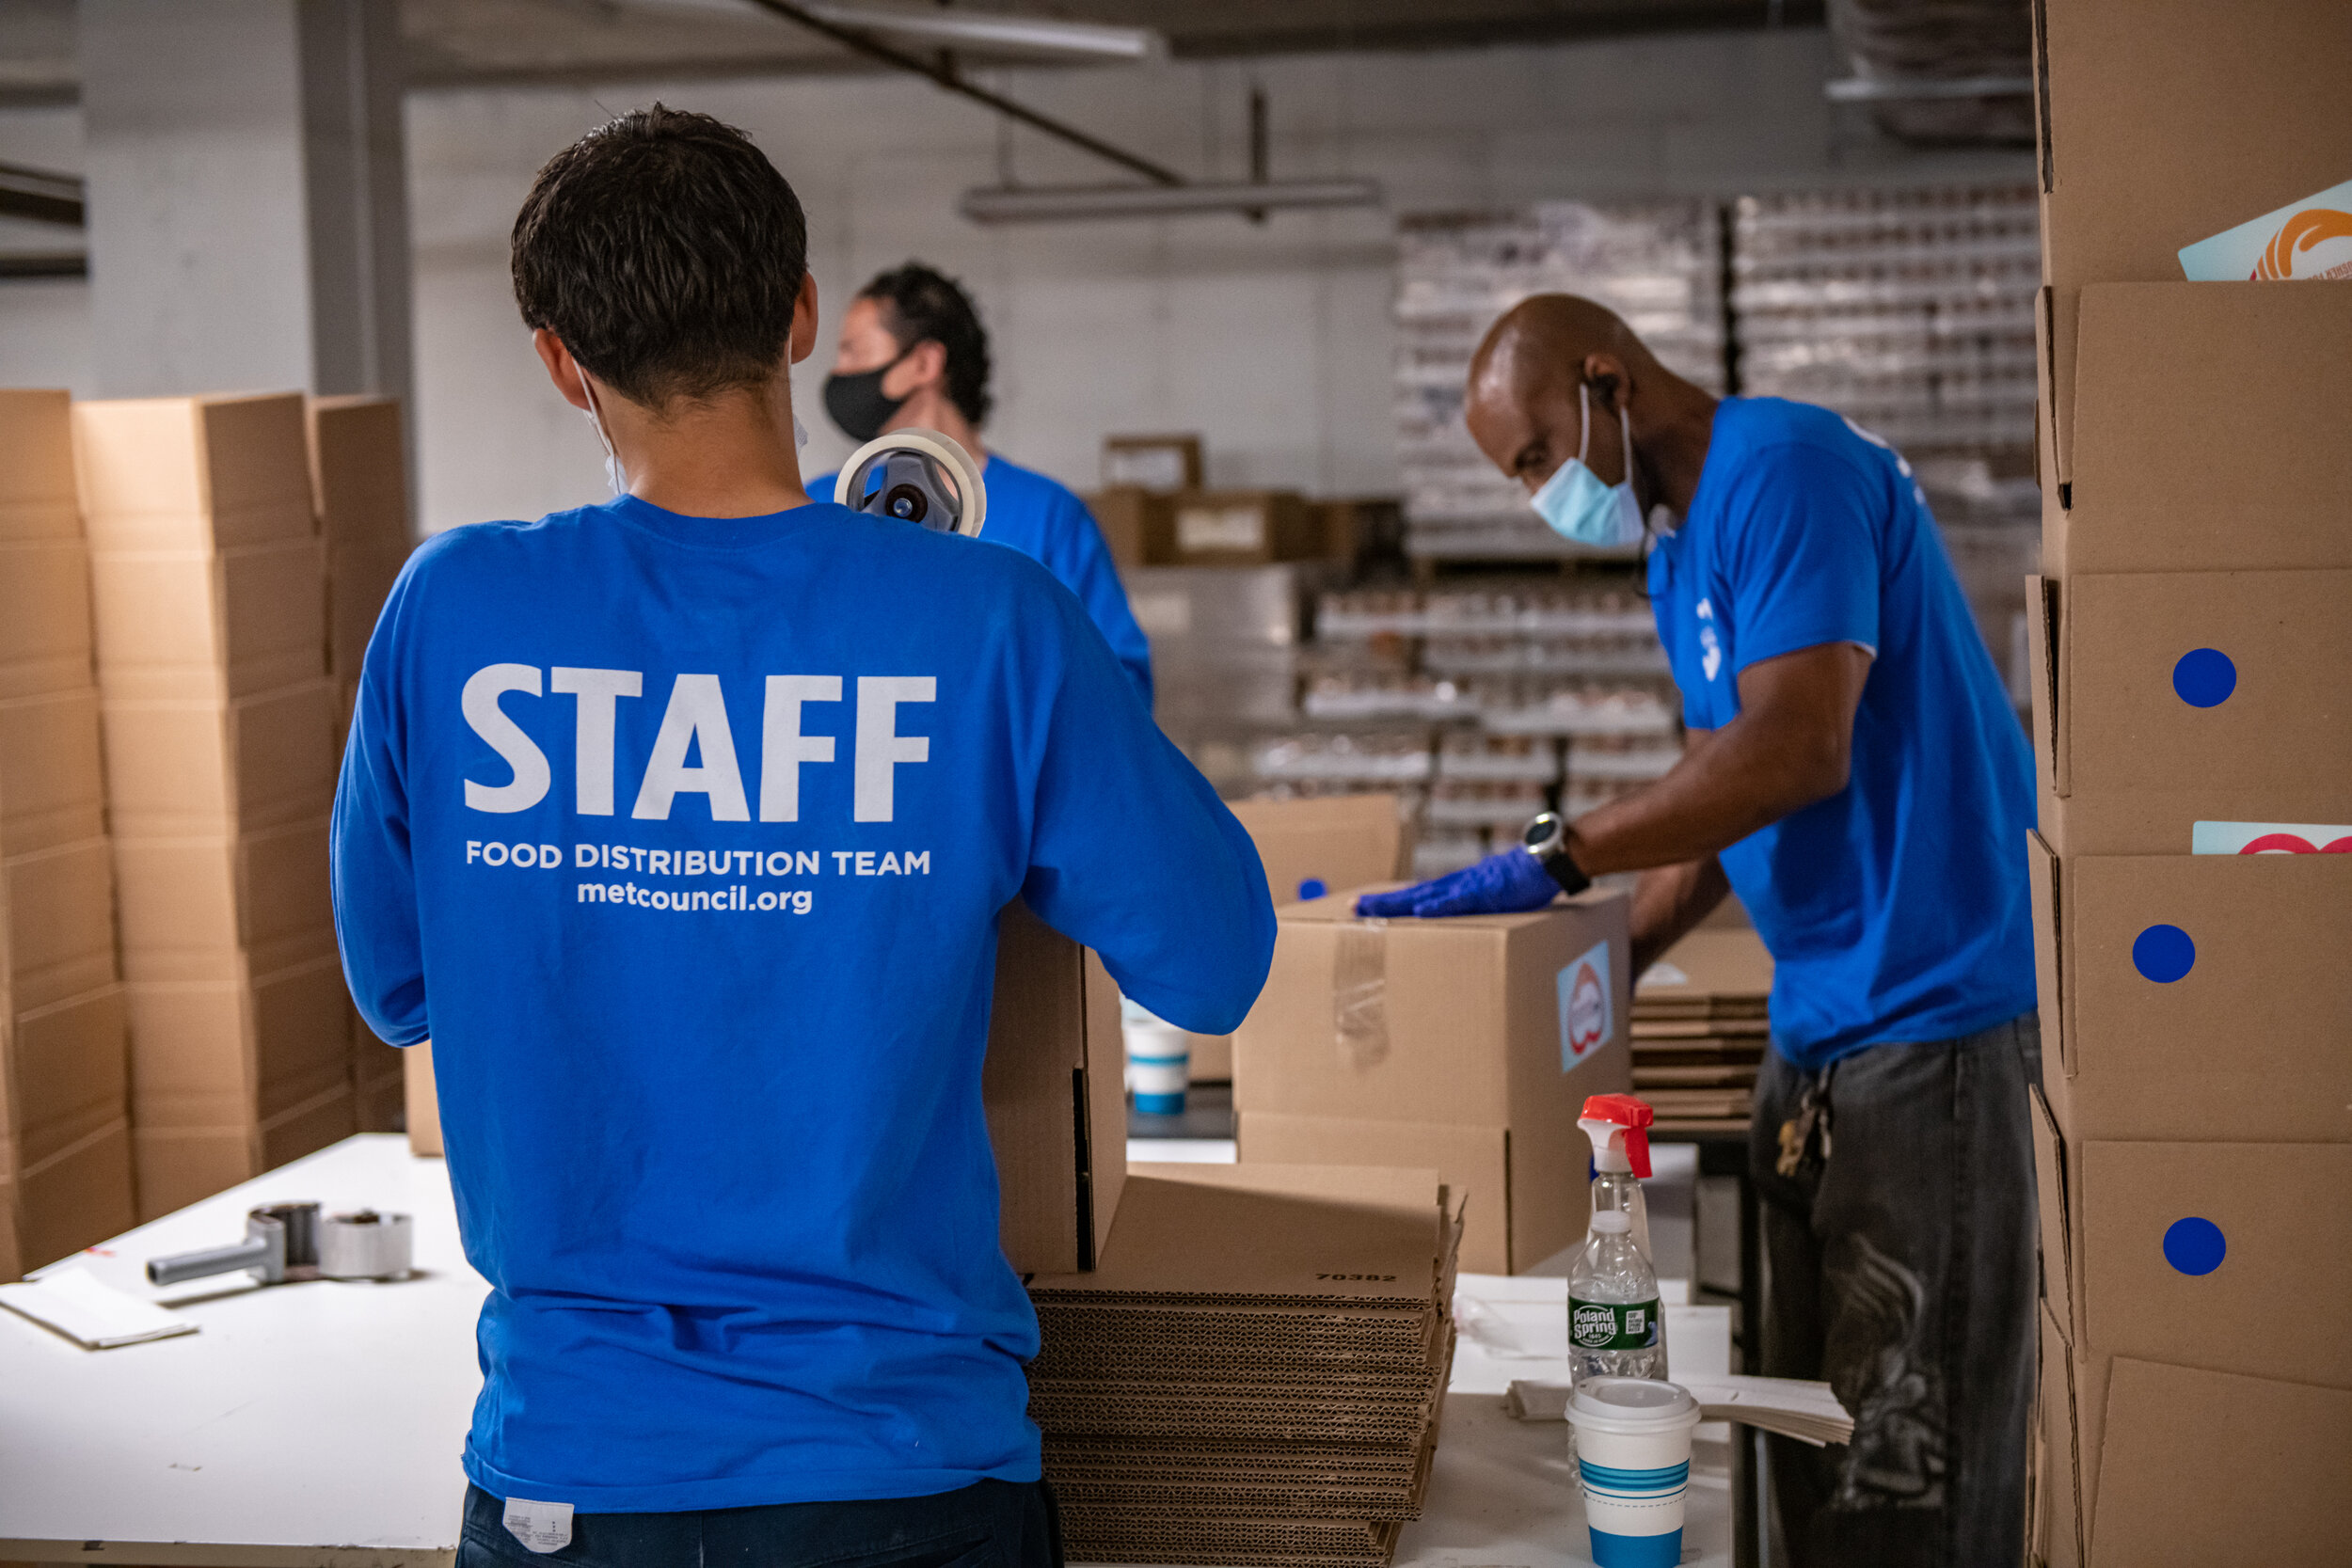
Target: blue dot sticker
<point>2164,954</point>
<point>2194,1246</point>
<point>2204,677</point>
<point>1312,888</point>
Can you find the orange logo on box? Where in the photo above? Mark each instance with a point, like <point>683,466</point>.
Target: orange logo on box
<point>2306,230</point>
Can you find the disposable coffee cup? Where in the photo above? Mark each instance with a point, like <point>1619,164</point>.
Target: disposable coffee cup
<point>1633,1458</point>
<point>1159,1061</point>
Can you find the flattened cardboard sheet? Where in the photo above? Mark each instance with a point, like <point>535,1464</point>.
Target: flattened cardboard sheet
<point>46,637</point>
<point>2205,1467</point>
<point>37,490</point>
<point>1475,1164</point>
<point>192,624</point>
<point>68,1075</point>
<point>57,938</point>
<point>74,1198</point>
<point>52,790</point>
<point>185,767</point>
<point>222,907</point>
<point>223,1052</point>
<point>2055,1530</point>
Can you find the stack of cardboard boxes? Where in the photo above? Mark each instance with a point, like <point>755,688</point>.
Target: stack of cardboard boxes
<point>1701,1028</point>
<point>1466,1045</point>
<point>1255,1372</point>
<point>209,582</point>
<point>2192,658</point>
<point>65,1139</point>
<point>359,483</point>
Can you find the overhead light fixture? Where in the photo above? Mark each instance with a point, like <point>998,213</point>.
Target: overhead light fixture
<point>1021,34</point>
<point>1069,203</point>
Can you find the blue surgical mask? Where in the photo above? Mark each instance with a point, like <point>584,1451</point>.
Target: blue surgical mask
<point>1578,505</point>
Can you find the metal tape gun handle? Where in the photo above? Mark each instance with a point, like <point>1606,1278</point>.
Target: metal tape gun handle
<point>286,1242</point>
<point>926,478</point>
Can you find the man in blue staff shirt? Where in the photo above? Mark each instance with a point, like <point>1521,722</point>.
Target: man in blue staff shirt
<point>1854,772</point>
<point>914,356</point>
<point>681,824</point>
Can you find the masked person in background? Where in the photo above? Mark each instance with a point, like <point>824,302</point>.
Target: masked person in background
<point>1855,773</point>
<point>915,356</point>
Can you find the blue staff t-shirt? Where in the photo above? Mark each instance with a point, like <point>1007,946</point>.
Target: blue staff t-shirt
<point>1046,521</point>
<point>1896,909</point>
<point>684,842</point>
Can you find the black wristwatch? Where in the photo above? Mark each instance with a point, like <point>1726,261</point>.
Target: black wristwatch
<point>1546,837</point>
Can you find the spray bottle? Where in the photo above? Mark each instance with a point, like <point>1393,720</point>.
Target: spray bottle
<point>1616,1325</point>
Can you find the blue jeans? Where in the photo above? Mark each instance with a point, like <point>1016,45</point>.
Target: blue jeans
<point>990,1524</point>
<point>1902,1266</point>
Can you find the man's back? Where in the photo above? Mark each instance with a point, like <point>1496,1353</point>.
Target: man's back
<point>694,832</point>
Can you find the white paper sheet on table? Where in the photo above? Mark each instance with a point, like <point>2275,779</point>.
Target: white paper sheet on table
<point>78,1304</point>
<point>1793,1407</point>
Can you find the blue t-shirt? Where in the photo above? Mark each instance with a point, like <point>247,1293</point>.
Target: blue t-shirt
<point>684,842</point>
<point>1045,521</point>
<point>1896,909</point>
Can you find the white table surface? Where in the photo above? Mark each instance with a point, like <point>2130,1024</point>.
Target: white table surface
<point>319,1424</point>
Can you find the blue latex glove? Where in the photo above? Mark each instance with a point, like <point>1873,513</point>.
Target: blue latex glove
<point>1511,882</point>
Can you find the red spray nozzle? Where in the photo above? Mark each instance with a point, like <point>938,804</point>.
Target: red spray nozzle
<point>1634,1116</point>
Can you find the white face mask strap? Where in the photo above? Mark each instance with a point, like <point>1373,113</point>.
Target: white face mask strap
<point>1625,425</point>
<point>1583,417</point>
<point>596,417</point>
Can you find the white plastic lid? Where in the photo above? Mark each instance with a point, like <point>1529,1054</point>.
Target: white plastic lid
<point>1612,1222</point>
<point>1633,1402</point>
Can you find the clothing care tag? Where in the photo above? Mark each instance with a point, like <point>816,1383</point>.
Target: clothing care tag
<point>2269,838</point>
<point>541,1527</point>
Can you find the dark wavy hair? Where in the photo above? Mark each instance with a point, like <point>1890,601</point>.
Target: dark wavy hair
<point>667,253</point>
<point>923,304</point>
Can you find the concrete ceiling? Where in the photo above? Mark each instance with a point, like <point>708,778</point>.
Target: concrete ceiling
<point>461,43</point>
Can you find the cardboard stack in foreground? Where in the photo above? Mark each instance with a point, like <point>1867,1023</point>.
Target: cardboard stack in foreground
<point>359,482</point>
<point>209,585</point>
<point>1466,1045</point>
<point>1254,1373</point>
<point>1701,1029</point>
<point>2191,652</point>
<point>65,1139</point>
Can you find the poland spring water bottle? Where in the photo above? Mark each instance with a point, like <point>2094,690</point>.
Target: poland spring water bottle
<point>1613,1326</point>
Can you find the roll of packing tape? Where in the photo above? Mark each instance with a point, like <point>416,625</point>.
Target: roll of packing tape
<point>944,451</point>
<point>365,1244</point>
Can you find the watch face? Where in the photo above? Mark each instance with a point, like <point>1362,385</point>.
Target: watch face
<point>1540,832</point>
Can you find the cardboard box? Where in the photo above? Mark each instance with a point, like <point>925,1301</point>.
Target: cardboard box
<point>2130,1050</point>
<point>1494,1028</point>
<point>52,785</point>
<point>1211,1059</point>
<point>2166,121</point>
<point>2145,470</point>
<point>45,639</point>
<point>228,1052</point>
<point>2162,699</point>
<point>189,765</point>
<point>37,492</point>
<point>190,624</point>
<point>1130,519</point>
<point>1052,1083</point>
<point>222,906</point>
<point>76,1197</point>
<point>176,1166</point>
<point>193,474</point>
<point>58,906</point>
<point>378,1078</point>
<point>1338,840</point>
<point>1240,527</point>
<point>66,1078</point>
<point>1158,465</point>
<point>360,476</point>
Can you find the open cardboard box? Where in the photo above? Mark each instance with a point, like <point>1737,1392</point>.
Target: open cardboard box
<point>2133,1346</point>
<point>1052,1083</point>
<point>2131,748</point>
<point>2249,1044</point>
<point>1472,1042</point>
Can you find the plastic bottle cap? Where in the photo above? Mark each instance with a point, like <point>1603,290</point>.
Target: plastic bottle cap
<point>1612,1222</point>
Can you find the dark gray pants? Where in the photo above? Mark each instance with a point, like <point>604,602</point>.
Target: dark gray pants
<point>1903,1269</point>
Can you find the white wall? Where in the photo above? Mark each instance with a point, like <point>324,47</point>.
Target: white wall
<point>1273,342</point>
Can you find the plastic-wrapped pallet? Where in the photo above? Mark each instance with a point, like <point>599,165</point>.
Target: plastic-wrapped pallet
<point>1657,264</point>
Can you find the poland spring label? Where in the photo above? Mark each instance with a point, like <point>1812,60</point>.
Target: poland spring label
<point>1612,1324</point>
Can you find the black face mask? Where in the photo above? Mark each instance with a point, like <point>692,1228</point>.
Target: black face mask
<point>855,402</point>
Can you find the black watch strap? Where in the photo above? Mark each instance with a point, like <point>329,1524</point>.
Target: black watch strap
<point>1564,871</point>
<point>1546,837</point>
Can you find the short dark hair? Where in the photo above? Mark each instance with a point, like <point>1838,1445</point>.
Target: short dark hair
<point>667,253</point>
<point>924,304</point>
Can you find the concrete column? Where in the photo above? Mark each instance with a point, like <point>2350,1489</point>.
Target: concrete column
<point>248,194</point>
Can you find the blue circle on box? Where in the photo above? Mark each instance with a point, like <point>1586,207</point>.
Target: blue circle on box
<point>2164,954</point>
<point>1312,888</point>
<point>2204,677</point>
<point>2194,1246</point>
